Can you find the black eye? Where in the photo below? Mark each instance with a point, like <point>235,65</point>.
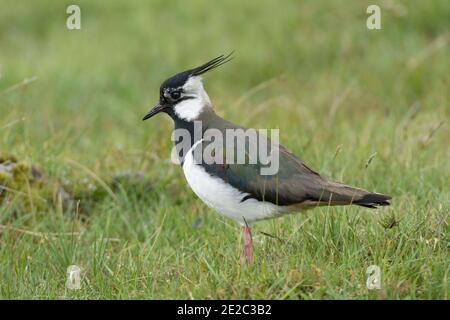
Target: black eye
<point>175,95</point>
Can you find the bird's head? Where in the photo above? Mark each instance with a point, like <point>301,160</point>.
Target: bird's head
<point>182,95</point>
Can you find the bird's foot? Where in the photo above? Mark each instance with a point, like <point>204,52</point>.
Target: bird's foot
<point>248,246</point>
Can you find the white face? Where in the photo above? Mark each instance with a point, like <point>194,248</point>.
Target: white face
<point>190,109</point>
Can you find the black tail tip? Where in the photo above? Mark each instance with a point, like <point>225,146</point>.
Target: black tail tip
<point>373,200</point>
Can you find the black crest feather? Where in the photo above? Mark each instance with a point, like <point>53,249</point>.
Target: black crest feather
<point>210,65</point>
<point>180,79</point>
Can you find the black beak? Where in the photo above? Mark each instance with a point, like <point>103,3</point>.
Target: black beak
<point>156,109</point>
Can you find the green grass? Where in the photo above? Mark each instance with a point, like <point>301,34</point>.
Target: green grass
<point>339,93</point>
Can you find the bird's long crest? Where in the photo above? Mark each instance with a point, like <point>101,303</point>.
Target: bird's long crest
<point>210,65</point>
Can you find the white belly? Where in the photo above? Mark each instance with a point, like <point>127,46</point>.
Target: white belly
<point>224,198</point>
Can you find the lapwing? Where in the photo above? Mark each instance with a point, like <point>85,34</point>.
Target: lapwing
<point>239,190</point>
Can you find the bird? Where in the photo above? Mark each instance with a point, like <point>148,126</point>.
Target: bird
<point>237,190</point>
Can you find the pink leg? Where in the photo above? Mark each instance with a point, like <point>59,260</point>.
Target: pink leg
<point>248,245</point>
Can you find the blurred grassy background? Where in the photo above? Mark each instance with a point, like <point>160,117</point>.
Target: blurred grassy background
<point>340,93</point>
